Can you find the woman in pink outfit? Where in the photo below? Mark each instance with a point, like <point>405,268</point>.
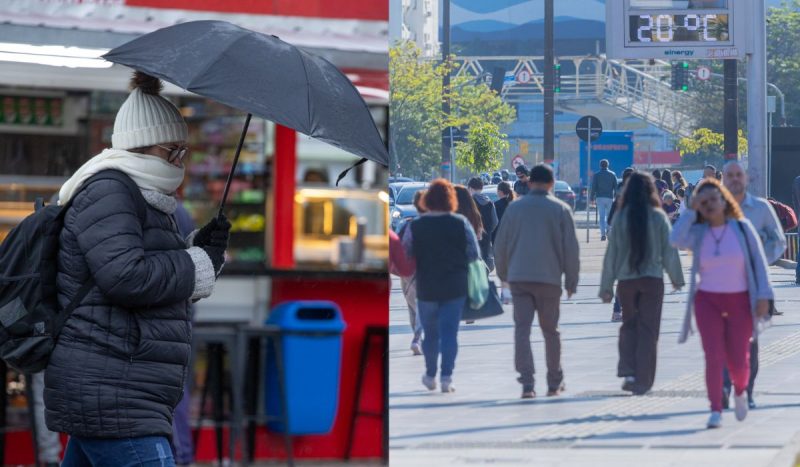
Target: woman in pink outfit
<point>729,290</point>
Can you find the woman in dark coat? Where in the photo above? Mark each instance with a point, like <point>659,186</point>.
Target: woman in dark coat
<point>443,244</point>
<point>118,369</point>
<point>505,197</point>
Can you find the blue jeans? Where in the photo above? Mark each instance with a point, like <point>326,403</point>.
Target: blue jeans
<point>603,206</point>
<point>440,322</point>
<point>149,451</point>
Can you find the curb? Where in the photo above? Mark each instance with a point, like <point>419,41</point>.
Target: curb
<point>786,264</point>
<point>789,455</point>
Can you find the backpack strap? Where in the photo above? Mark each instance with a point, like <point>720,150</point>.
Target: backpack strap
<point>141,210</point>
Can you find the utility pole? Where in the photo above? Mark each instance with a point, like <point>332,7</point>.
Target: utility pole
<point>731,120</point>
<point>549,70</point>
<point>447,134</point>
<point>757,101</point>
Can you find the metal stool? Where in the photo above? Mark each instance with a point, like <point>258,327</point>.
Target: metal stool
<point>217,338</point>
<point>249,343</point>
<point>381,332</point>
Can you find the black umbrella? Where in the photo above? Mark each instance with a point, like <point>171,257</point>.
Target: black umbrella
<point>262,75</point>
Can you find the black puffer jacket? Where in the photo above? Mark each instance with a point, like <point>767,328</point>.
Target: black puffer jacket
<point>120,362</point>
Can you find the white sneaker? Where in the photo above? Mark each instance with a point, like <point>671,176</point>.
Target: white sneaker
<point>447,385</point>
<point>416,348</point>
<point>715,420</point>
<point>740,406</point>
<point>429,382</point>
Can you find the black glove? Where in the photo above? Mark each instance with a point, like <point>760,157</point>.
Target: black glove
<point>217,256</point>
<point>219,238</point>
<point>203,236</point>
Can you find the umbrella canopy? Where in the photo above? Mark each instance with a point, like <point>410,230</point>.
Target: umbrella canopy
<point>262,75</point>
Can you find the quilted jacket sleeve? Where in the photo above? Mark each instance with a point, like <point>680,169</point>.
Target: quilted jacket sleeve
<point>110,237</point>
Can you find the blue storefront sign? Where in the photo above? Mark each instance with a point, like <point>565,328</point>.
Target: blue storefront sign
<point>615,146</point>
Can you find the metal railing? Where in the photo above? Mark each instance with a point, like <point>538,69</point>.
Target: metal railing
<point>637,87</point>
<point>791,247</point>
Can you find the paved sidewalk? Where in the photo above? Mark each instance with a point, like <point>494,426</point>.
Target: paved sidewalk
<point>594,422</point>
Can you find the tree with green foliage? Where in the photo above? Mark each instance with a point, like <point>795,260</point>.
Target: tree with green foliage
<point>783,54</point>
<point>706,147</point>
<point>484,148</point>
<point>417,120</point>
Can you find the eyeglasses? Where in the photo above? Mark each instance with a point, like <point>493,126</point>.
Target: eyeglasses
<point>175,153</point>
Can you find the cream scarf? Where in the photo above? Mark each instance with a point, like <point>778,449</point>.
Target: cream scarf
<point>148,172</point>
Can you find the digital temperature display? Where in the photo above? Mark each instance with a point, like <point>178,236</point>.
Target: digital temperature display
<point>704,28</point>
<point>677,29</point>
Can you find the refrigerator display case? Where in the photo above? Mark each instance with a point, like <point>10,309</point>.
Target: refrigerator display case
<point>213,141</point>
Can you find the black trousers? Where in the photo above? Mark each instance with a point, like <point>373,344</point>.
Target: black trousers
<point>753,372</point>
<point>641,301</point>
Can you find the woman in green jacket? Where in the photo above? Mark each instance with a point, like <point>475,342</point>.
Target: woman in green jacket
<point>638,254</point>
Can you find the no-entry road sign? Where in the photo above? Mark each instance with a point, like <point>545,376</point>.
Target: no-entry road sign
<point>589,128</point>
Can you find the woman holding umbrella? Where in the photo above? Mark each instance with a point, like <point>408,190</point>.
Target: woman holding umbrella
<point>118,369</point>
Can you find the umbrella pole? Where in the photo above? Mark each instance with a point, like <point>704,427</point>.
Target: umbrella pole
<point>233,167</point>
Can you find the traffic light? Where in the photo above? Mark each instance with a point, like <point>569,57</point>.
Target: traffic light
<point>680,76</point>
<point>557,77</point>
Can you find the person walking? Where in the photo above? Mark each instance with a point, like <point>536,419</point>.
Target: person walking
<point>521,185</point>
<point>182,441</point>
<point>443,244</point>
<point>670,205</point>
<point>536,245</point>
<point>758,211</point>
<point>408,284</point>
<point>732,290</point>
<point>604,188</point>
<point>488,218</point>
<point>469,209</point>
<point>505,196</point>
<point>616,312</point>
<point>638,254</point>
<point>666,177</point>
<point>661,185</point>
<point>119,366</point>
<point>796,202</point>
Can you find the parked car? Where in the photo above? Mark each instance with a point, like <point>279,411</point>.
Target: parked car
<point>403,210</point>
<point>564,192</point>
<point>400,179</point>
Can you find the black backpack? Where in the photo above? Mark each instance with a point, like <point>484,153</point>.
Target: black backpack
<point>30,319</point>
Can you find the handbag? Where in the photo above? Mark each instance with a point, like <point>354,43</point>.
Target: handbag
<point>772,310</point>
<point>477,284</point>
<point>491,307</point>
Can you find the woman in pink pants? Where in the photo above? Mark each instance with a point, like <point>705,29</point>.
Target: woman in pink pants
<point>729,288</point>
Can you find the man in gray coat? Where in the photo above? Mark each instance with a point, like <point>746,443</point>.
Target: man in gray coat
<point>536,244</point>
<point>758,211</point>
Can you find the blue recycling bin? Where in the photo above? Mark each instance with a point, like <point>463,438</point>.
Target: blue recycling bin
<point>311,332</point>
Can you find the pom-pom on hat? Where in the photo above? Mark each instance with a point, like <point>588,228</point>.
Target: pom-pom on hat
<point>146,118</point>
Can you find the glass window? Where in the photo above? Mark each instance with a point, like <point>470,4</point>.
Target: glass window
<point>679,4</point>
<point>406,194</point>
<point>562,186</point>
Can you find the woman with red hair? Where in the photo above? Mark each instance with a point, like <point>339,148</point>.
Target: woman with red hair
<point>443,244</point>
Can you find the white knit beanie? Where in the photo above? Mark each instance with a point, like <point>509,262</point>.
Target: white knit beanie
<point>146,118</point>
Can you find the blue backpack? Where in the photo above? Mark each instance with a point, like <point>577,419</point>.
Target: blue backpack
<point>30,318</point>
